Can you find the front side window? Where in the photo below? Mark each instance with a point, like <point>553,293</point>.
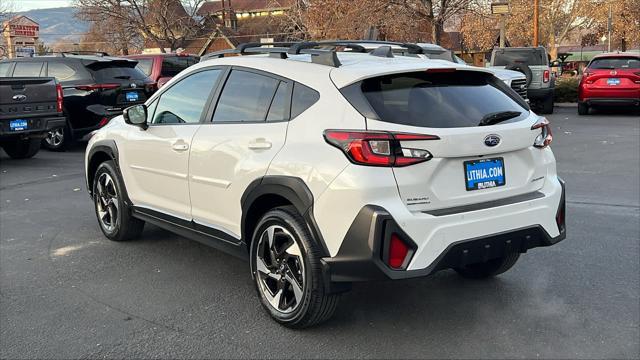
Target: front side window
<point>246,97</point>
<point>442,100</point>
<point>28,69</point>
<point>184,102</point>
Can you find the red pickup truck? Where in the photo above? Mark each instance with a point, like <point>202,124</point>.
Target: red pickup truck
<point>162,67</point>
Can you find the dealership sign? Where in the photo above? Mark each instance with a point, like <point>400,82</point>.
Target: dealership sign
<point>24,30</point>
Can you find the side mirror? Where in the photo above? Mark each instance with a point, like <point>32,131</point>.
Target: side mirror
<point>555,63</point>
<point>136,115</point>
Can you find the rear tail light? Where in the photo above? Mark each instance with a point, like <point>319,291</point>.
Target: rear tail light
<point>59,98</point>
<point>92,87</point>
<point>546,137</point>
<point>545,76</point>
<point>377,148</point>
<point>398,252</point>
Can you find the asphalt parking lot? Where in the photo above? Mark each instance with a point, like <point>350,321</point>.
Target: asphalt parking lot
<point>67,292</point>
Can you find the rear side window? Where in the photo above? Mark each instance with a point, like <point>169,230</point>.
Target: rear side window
<point>279,105</point>
<point>145,65</point>
<point>437,100</point>
<point>105,73</point>
<point>303,98</point>
<point>629,62</point>
<point>29,69</point>
<point>526,56</point>
<point>172,65</point>
<point>246,97</point>
<point>60,71</point>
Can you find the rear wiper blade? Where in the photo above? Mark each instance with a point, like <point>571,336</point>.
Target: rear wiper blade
<point>123,77</point>
<point>496,117</point>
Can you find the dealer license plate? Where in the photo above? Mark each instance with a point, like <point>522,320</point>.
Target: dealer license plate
<point>484,173</point>
<point>18,125</point>
<point>132,96</point>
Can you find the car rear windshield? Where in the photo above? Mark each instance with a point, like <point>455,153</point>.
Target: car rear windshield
<point>437,100</point>
<point>116,71</point>
<point>618,62</point>
<point>526,56</point>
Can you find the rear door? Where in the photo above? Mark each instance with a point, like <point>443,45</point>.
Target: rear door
<point>236,145</point>
<point>156,160</point>
<point>616,76</point>
<point>484,151</point>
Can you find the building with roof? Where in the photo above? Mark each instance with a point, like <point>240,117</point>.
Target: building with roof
<point>19,35</point>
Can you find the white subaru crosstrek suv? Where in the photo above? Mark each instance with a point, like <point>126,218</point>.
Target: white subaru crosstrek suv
<point>323,168</point>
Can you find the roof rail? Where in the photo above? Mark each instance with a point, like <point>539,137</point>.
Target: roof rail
<point>282,50</point>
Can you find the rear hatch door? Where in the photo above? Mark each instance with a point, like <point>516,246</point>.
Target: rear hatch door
<point>614,73</point>
<point>120,83</point>
<point>484,151</point>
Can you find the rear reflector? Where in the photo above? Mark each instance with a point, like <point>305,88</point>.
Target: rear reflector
<point>398,251</point>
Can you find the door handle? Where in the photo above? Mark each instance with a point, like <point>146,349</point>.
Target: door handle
<point>180,145</point>
<point>260,144</point>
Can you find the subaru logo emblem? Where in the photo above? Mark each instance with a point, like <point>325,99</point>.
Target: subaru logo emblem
<point>492,140</point>
<point>133,86</point>
<point>19,97</point>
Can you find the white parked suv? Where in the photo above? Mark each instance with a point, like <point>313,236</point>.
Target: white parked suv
<point>323,168</point>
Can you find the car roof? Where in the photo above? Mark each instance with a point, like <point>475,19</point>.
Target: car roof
<point>353,66</point>
<point>618,54</point>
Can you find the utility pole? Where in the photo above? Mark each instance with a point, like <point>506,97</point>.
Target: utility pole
<point>502,31</point>
<point>609,25</point>
<point>536,7</point>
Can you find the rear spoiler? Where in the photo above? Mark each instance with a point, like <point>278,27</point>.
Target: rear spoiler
<point>101,63</point>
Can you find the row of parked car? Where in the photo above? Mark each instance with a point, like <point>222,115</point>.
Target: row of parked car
<point>55,100</point>
<point>58,99</point>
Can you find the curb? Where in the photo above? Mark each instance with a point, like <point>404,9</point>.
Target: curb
<point>566,105</point>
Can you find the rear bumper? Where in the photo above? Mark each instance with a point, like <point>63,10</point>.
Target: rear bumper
<point>360,257</point>
<point>37,127</point>
<point>612,101</point>
<point>539,94</point>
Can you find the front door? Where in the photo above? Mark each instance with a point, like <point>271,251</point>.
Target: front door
<point>155,163</point>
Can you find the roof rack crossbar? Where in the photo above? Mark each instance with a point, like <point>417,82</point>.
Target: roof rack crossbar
<point>282,50</point>
<point>413,48</point>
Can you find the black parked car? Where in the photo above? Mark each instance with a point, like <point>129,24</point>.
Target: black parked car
<point>96,88</point>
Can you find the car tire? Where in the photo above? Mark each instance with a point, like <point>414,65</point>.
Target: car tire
<point>112,211</point>
<point>583,108</point>
<point>57,139</point>
<point>22,148</point>
<point>490,268</point>
<point>547,105</point>
<point>287,272</point>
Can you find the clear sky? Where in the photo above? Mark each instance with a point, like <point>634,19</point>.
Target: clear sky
<point>24,5</point>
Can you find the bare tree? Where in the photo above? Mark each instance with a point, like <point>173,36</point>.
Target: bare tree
<point>167,23</point>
